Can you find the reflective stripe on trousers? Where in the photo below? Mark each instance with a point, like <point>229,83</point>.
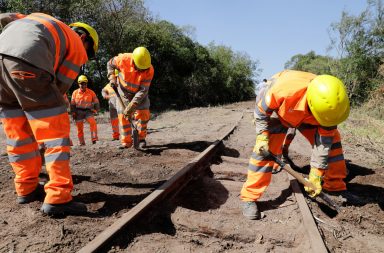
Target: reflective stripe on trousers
<point>142,118</point>
<point>49,128</point>
<point>43,121</point>
<point>114,118</point>
<point>92,126</point>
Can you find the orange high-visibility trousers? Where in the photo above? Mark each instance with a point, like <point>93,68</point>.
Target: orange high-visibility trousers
<point>43,121</point>
<point>260,168</point>
<point>24,130</point>
<point>114,117</point>
<point>92,127</point>
<point>142,118</point>
<point>115,128</point>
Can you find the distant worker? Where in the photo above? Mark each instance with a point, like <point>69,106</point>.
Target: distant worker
<point>109,94</point>
<point>40,57</point>
<point>263,84</point>
<point>315,105</point>
<point>84,105</point>
<point>133,81</point>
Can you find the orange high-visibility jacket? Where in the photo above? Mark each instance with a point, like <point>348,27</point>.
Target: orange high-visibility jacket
<point>84,100</point>
<point>61,55</point>
<point>133,81</point>
<point>287,97</point>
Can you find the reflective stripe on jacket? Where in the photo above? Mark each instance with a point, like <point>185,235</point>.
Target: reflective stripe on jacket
<point>133,81</point>
<point>61,55</point>
<point>84,100</point>
<point>287,96</point>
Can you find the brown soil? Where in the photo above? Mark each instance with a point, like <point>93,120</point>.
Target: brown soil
<point>206,215</point>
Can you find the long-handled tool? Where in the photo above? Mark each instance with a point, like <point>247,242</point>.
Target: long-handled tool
<point>302,180</point>
<point>135,134</point>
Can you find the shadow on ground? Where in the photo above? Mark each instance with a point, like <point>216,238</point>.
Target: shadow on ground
<point>200,195</point>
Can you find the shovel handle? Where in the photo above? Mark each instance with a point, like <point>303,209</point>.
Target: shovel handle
<point>114,87</point>
<point>118,96</point>
<point>288,169</point>
<point>299,177</point>
<point>302,180</point>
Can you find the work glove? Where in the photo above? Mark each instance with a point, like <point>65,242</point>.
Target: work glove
<point>129,110</point>
<point>262,144</point>
<point>315,177</point>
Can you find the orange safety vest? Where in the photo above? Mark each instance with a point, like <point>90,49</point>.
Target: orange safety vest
<point>287,95</point>
<point>129,77</point>
<point>84,100</point>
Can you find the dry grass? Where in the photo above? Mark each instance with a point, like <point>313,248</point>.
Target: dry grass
<point>362,129</point>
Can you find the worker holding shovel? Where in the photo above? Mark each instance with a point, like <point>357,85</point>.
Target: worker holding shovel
<point>133,79</point>
<point>109,94</point>
<point>314,105</point>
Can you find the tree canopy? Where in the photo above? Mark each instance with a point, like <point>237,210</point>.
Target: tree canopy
<point>359,43</point>
<point>186,73</point>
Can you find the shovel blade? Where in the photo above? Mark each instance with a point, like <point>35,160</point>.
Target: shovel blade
<point>135,138</point>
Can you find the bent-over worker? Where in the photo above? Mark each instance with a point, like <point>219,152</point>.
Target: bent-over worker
<point>314,105</point>
<point>40,57</point>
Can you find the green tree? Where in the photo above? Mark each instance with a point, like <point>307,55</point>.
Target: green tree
<point>310,62</point>
<point>359,41</point>
<point>186,73</point>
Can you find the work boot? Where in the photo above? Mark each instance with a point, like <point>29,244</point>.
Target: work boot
<point>70,208</point>
<point>93,142</point>
<point>37,194</point>
<point>142,144</point>
<point>250,210</point>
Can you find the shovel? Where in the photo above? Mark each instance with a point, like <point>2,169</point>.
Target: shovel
<point>135,134</point>
<point>302,180</point>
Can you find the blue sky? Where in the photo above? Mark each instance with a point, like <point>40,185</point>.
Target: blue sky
<point>270,31</point>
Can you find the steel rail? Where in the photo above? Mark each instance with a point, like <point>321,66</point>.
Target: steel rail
<point>174,184</point>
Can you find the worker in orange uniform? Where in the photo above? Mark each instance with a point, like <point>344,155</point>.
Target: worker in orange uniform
<point>40,57</point>
<point>135,74</point>
<point>84,105</point>
<point>109,94</point>
<point>315,105</point>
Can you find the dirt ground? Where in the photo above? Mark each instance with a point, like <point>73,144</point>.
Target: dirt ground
<point>206,216</point>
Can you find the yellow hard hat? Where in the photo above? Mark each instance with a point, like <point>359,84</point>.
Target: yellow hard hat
<point>82,79</point>
<point>92,33</point>
<point>328,100</point>
<point>142,58</point>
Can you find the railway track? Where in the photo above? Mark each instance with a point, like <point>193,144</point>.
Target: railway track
<point>224,213</point>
